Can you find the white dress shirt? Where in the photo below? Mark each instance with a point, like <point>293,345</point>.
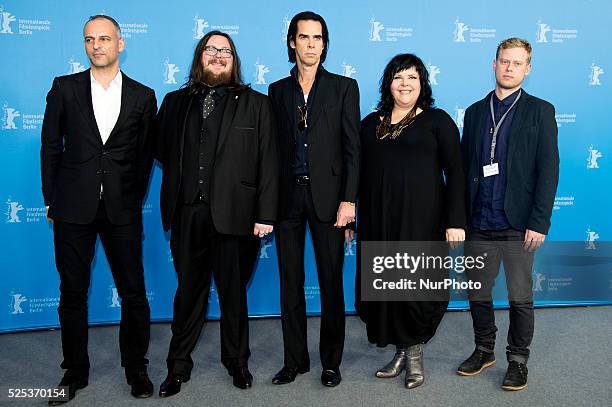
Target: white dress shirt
<point>106,104</point>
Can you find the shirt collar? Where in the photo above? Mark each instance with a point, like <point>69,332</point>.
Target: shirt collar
<point>220,91</point>
<point>115,83</point>
<point>508,100</point>
<point>294,72</point>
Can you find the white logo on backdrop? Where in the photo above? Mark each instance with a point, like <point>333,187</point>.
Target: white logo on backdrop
<point>460,29</point>
<point>348,70</point>
<point>114,297</point>
<point>592,158</point>
<point>16,301</point>
<point>12,212</point>
<point>590,240</point>
<point>200,26</point>
<point>596,72</point>
<point>557,35</point>
<point>266,243</point>
<point>433,73</point>
<point>541,33</point>
<point>375,28</point>
<point>285,29</point>
<point>464,33</point>
<point>390,34</point>
<point>75,66</point>
<point>7,19</point>
<point>537,283</point>
<point>169,71</point>
<point>349,248</point>
<point>459,115</point>
<point>8,117</point>
<point>260,71</point>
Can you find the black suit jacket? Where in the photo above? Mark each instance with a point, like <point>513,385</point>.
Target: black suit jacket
<point>244,177</point>
<point>74,162</point>
<point>532,161</point>
<point>333,145</point>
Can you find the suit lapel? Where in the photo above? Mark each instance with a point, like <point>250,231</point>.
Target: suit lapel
<point>517,121</point>
<point>289,103</point>
<point>128,101</point>
<point>83,95</point>
<point>477,131</point>
<point>184,112</point>
<point>322,94</point>
<point>233,98</point>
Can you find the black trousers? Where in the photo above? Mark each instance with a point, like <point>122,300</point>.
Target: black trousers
<point>74,252</point>
<point>199,252</point>
<point>502,246</point>
<point>328,242</point>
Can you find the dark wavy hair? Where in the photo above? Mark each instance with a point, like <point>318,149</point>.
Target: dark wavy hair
<point>292,32</point>
<point>195,82</point>
<point>397,64</point>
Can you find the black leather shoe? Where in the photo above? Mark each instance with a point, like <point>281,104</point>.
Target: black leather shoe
<point>331,377</point>
<point>141,384</point>
<point>516,376</point>
<point>288,374</point>
<point>243,379</point>
<point>476,363</point>
<point>73,382</point>
<point>172,384</point>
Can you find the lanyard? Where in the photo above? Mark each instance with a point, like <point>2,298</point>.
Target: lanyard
<point>496,126</point>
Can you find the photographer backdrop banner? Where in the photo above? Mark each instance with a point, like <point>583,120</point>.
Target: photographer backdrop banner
<point>572,68</point>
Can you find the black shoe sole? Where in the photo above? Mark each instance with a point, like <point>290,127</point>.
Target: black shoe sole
<point>484,366</point>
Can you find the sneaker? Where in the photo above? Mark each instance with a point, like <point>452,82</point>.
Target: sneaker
<point>476,363</point>
<point>516,376</point>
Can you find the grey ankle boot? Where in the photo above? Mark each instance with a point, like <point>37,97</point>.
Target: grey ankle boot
<point>395,367</point>
<point>414,366</point>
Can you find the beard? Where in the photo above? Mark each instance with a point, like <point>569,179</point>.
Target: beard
<point>212,79</point>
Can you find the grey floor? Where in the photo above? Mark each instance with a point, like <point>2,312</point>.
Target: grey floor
<point>571,365</point>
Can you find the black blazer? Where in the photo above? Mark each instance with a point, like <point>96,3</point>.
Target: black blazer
<point>74,162</point>
<point>244,178</point>
<point>333,145</point>
<point>532,161</point>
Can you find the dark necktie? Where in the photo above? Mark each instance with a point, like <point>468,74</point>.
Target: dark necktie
<point>209,104</point>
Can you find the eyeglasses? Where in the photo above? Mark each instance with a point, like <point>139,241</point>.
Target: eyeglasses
<point>515,64</point>
<point>302,123</point>
<point>212,51</point>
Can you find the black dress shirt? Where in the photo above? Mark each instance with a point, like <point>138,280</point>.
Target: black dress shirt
<point>488,209</point>
<point>300,163</point>
<point>200,146</point>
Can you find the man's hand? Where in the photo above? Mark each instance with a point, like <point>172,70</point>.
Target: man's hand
<point>261,230</point>
<point>345,215</point>
<point>349,235</point>
<point>454,237</point>
<point>48,218</point>
<point>533,240</point>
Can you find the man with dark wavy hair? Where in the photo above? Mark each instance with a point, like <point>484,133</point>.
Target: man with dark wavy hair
<point>217,146</point>
<point>318,132</point>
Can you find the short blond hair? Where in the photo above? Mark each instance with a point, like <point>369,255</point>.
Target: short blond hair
<point>515,43</point>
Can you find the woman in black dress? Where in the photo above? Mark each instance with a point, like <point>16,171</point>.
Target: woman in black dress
<point>412,189</point>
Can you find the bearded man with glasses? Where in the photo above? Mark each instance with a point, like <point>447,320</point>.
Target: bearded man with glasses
<point>217,146</point>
